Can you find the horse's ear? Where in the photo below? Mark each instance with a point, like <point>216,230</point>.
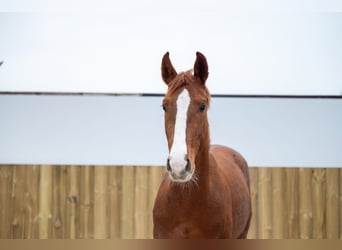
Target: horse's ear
<point>167,70</point>
<point>201,67</point>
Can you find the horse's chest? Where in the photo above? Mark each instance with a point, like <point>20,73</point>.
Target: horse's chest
<point>183,221</point>
<point>186,230</point>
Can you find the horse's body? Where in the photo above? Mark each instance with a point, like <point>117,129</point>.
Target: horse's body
<point>206,191</point>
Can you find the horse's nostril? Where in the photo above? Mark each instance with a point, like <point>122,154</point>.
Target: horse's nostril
<point>188,165</point>
<point>168,167</point>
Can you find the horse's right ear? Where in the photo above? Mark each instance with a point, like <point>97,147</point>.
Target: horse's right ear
<point>167,70</point>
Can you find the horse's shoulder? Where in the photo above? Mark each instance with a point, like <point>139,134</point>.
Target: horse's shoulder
<point>227,152</point>
<point>228,157</point>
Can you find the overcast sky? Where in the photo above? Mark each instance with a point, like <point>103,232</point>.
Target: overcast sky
<point>249,52</point>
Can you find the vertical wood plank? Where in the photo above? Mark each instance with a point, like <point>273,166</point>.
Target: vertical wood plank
<point>58,202</point>
<point>279,205</point>
<point>73,202</point>
<point>155,178</point>
<point>318,178</point>
<point>292,202</point>
<point>305,203</point>
<point>6,177</point>
<point>340,201</point>
<point>115,196</point>
<point>265,203</point>
<point>100,203</point>
<point>127,203</point>
<point>18,197</point>
<point>332,204</point>
<point>141,213</point>
<point>87,203</point>
<point>31,202</point>
<point>253,229</point>
<point>45,201</point>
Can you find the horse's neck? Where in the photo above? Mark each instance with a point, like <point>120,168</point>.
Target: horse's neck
<point>200,188</point>
<point>202,159</point>
<point>203,165</point>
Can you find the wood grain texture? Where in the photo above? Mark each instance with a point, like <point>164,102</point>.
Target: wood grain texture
<point>6,180</point>
<point>305,203</point>
<point>65,202</point>
<point>100,203</point>
<point>332,203</point>
<point>292,203</point>
<point>319,189</point>
<point>265,203</point>
<point>45,202</point>
<point>279,225</point>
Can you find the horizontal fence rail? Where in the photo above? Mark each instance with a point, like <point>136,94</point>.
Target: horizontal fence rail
<point>86,202</point>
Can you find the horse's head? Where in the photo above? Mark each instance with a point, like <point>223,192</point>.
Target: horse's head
<point>186,125</point>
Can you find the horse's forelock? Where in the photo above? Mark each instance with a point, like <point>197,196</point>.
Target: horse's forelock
<point>186,79</point>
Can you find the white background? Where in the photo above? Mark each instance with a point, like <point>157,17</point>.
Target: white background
<point>253,47</point>
<point>286,49</point>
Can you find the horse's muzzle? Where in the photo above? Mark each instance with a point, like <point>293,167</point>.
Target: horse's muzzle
<point>181,172</point>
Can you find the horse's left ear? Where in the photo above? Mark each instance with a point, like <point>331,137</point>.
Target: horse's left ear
<point>201,67</point>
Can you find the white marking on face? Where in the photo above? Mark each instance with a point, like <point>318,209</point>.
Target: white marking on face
<point>178,150</point>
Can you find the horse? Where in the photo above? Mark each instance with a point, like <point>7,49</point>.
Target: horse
<point>205,190</point>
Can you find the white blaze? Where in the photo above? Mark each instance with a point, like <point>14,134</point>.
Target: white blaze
<point>178,149</point>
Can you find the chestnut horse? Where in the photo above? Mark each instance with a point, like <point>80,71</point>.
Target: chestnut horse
<point>205,192</point>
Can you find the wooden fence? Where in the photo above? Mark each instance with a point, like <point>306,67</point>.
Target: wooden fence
<point>116,202</point>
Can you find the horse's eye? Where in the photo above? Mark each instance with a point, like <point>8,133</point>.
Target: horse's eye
<point>164,107</point>
<point>202,107</point>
